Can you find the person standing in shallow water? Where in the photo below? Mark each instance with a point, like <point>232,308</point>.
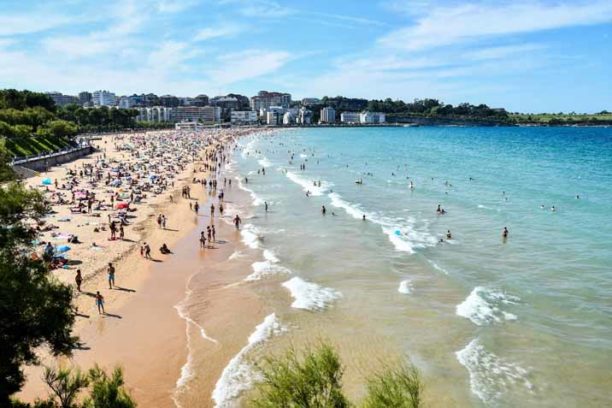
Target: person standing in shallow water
<point>323,210</point>
<point>505,233</point>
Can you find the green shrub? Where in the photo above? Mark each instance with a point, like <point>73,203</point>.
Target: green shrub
<point>396,387</point>
<point>314,380</point>
<point>311,381</point>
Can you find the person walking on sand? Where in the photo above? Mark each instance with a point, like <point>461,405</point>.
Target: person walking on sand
<point>121,232</point>
<point>212,210</point>
<point>202,240</point>
<point>100,303</point>
<point>196,207</point>
<point>147,251</point>
<point>214,233</point>
<point>221,209</point>
<point>164,221</point>
<point>78,279</point>
<point>111,275</point>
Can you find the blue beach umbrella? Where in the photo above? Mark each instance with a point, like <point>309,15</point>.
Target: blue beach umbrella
<point>46,181</point>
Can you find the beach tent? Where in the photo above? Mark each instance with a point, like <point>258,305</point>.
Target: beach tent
<point>122,205</point>
<point>46,181</point>
<point>62,248</point>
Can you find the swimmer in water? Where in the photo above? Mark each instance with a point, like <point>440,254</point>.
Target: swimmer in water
<point>363,218</point>
<point>505,233</point>
<point>448,235</point>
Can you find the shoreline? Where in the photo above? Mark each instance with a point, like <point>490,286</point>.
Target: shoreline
<point>144,318</point>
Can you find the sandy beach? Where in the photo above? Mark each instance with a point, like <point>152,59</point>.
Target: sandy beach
<point>145,328</point>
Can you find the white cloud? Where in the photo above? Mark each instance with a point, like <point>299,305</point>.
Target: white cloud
<point>248,64</point>
<point>174,6</point>
<point>30,23</point>
<point>259,8</point>
<point>441,25</point>
<point>221,30</point>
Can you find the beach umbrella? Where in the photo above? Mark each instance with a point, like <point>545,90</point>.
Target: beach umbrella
<point>63,248</point>
<point>46,181</point>
<point>122,205</point>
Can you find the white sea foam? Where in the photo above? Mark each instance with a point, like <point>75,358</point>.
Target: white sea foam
<point>303,156</point>
<point>310,296</point>
<point>266,268</point>
<point>483,306</point>
<point>256,199</point>
<point>264,162</point>
<point>187,368</point>
<point>238,376</point>
<point>250,236</point>
<point>405,287</point>
<point>438,267</point>
<point>235,255</point>
<point>308,185</point>
<point>400,231</point>
<point>490,375</point>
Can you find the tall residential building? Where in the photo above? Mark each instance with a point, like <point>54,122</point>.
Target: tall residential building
<point>328,115</point>
<point>265,99</point>
<point>198,113</point>
<point>350,117</point>
<point>274,115</point>
<point>155,114</point>
<point>61,99</point>
<point>304,116</point>
<point>85,98</point>
<point>104,98</point>
<point>227,105</point>
<point>125,102</point>
<point>248,117</point>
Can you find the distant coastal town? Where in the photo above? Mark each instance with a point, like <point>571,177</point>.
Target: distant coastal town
<point>273,108</point>
<point>34,123</point>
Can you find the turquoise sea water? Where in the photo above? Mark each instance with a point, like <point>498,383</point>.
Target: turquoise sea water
<point>522,322</point>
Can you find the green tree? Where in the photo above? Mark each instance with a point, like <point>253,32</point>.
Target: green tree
<point>65,384</point>
<point>34,307</point>
<point>108,391</point>
<point>6,172</point>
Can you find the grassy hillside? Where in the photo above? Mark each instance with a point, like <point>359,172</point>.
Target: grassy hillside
<point>28,146</point>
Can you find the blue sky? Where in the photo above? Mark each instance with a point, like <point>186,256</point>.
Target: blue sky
<point>529,56</point>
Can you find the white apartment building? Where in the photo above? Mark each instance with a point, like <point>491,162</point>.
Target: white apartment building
<point>103,98</point>
<point>126,102</point>
<point>197,113</point>
<point>243,117</point>
<point>155,114</point>
<point>304,116</point>
<point>288,118</point>
<point>328,115</point>
<point>372,117</point>
<point>350,117</point>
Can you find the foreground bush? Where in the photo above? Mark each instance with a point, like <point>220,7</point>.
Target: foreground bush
<point>314,380</point>
<point>69,385</point>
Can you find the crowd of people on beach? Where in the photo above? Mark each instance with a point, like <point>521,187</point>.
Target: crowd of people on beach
<point>118,187</point>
